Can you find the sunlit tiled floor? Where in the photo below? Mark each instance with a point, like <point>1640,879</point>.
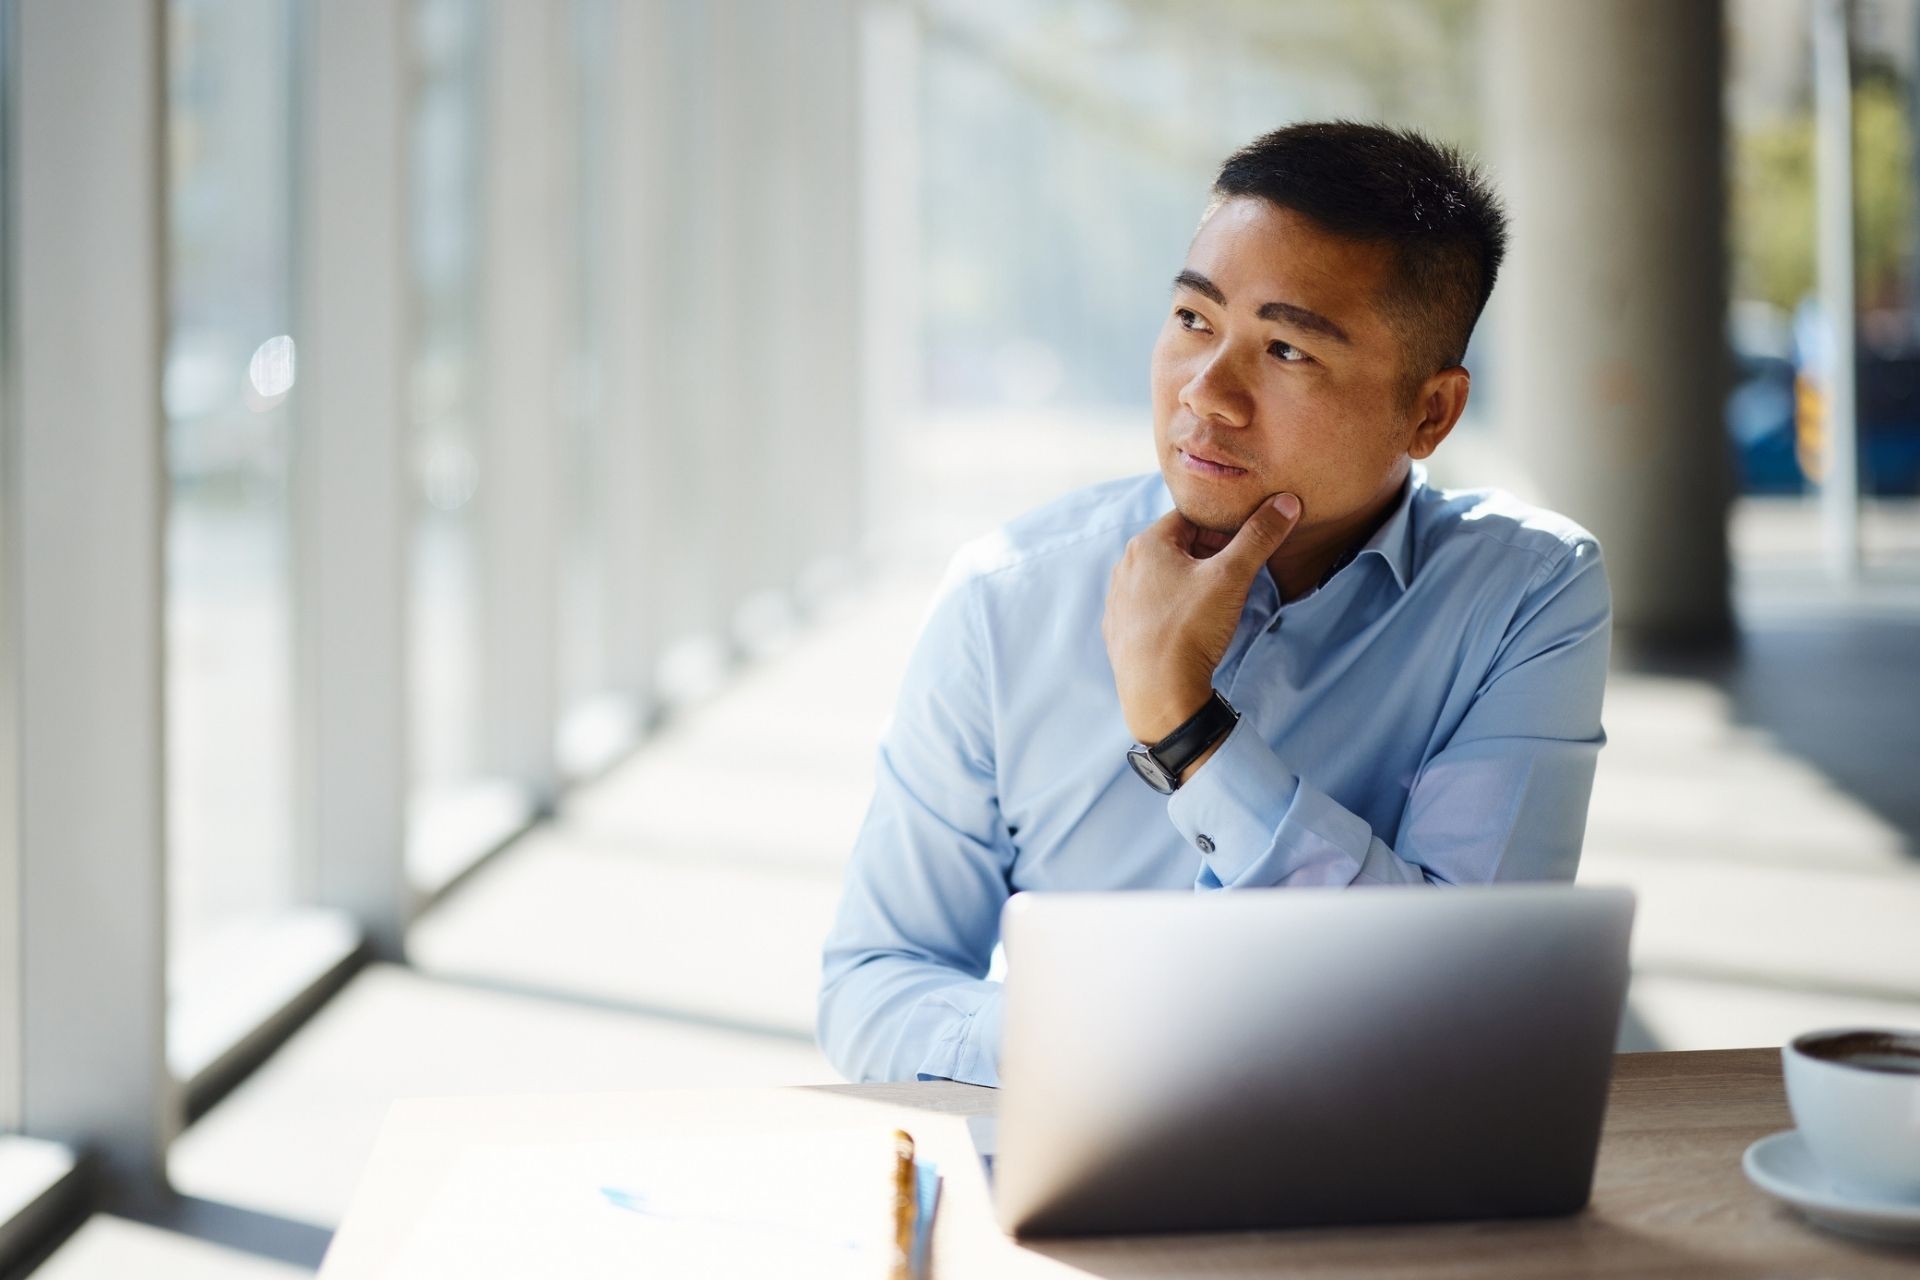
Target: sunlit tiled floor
<point>664,929</point>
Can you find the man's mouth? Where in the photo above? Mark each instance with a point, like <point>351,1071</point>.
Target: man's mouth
<point>1201,464</point>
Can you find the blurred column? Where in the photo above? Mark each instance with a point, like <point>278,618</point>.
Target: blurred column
<point>762,314</point>
<point>85,478</point>
<point>889,220</point>
<point>639,323</point>
<point>689,401</point>
<point>822,462</point>
<point>520,323</point>
<point>350,473</point>
<point>786,225</point>
<point>1833,181</point>
<point>12,911</point>
<point>1606,135</point>
<point>1913,176</point>
<point>841,472</point>
<point>729,344</point>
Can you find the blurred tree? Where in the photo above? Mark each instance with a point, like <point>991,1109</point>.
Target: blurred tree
<point>1773,199</point>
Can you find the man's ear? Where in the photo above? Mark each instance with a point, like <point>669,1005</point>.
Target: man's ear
<point>1441,400</point>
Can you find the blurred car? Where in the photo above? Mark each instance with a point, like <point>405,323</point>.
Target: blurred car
<point>1761,410</point>
<point>1776,409</point>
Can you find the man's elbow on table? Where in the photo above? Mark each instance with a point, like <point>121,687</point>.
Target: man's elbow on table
<point>857,1033</point>
<point>835,1034</point>
<point>877,1023</point>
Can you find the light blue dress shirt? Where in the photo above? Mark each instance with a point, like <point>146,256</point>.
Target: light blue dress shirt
<point>1430,714</point>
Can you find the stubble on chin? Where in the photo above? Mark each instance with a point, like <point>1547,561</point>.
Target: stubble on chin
<point>1214,517</point>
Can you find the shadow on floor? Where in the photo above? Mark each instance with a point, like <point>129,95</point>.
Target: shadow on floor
<point>1840,692</point>
<point>263,1235</point>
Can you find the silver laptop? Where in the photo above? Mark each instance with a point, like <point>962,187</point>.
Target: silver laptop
<point>1178,1061</point>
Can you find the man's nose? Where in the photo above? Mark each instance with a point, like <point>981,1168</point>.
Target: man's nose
<point>1218,390</point>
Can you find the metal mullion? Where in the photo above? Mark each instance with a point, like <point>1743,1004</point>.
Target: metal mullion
<point>1835,271</point>
<point>834,463</point>
<point>888,262</point>
<point>351,507</point>
<point>89,304</point>
<point>519,517</point>
<point>759,317</point>
<point>816,459</point>
<point>10,916</point>
<point>790,228</point>
<point>807,332</point>
<point>632,368</point>
<point>721,469</point>
<point>677,396</point>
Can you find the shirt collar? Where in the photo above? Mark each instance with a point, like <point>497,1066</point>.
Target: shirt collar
<point>1393,540</point>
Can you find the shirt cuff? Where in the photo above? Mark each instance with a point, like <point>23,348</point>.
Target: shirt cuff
<point>1256,824</point>
<point>1228,809</point>
<point>963,1024</point>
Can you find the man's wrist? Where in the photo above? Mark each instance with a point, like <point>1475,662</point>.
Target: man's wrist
<point>1186,774</point>
<point>1165,763</point>
<point>1173,713</point>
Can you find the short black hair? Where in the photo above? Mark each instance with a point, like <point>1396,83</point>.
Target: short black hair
<point>1374,183</point>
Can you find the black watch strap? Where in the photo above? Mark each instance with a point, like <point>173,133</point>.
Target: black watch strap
<point>1163,763</point>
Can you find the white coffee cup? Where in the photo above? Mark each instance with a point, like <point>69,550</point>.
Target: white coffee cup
<point>1855,1095</point>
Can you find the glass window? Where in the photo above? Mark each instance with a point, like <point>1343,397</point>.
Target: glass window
<point>1777,406</point>
<point>1064,144</point>
<point>228,392</point>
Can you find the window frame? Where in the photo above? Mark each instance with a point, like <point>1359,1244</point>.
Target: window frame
<point>87,237</point>
<point>10,914</point>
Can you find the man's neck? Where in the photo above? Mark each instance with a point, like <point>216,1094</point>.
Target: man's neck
<point>1308,556</point>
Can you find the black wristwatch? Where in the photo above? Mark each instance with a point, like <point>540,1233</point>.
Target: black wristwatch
<point>1162,763</point>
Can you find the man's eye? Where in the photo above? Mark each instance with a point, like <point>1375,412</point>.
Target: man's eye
<point>1189,319</point>
<point>1286,351</point>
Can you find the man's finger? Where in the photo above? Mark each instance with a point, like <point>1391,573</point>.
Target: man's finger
<point>1262,533</point>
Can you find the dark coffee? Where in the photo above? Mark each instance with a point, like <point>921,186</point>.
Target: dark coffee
<point>1868,1050</point>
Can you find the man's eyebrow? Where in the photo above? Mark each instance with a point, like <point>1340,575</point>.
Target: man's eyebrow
<point>1201,285</point>
<point>1298,317</point>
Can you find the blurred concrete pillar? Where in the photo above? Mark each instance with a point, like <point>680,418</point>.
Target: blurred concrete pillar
<point>1606,138</point>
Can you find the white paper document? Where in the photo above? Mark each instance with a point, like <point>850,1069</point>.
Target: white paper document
<point>797,1205</point>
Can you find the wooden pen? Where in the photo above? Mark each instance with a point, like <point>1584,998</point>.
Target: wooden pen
<point>906,1205</point>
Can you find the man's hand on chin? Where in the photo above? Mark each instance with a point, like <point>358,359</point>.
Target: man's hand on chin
<point>1171,613</point>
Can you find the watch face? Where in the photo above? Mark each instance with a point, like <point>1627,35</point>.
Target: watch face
<point>1148,768</point>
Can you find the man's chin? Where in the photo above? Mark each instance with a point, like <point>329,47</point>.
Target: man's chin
<point>1220,506</point>
<point>1213,516</point>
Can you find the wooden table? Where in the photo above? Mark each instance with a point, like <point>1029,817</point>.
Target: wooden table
<point>1669,1199</point>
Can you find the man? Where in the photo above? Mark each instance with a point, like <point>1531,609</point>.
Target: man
<point>1333,673</point>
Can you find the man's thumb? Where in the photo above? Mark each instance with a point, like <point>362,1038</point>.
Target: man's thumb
<point>1264,531</point>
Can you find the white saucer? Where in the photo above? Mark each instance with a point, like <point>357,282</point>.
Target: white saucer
<point>1781,1165</point>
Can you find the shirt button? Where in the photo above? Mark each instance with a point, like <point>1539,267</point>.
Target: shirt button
<point>1205,843</point>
